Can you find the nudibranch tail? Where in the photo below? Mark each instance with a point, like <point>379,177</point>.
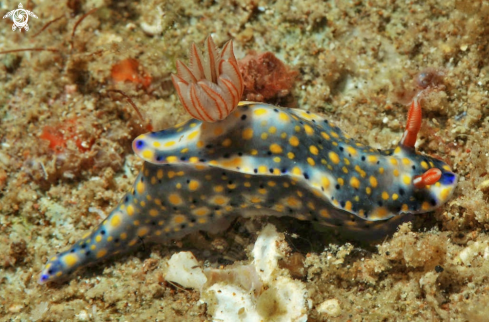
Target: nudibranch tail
<point>210,89</point>
<point>116,233</point>
<point>164,203</point>
<point>267,160</point>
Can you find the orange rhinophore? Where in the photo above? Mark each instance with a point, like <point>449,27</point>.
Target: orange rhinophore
<point>428,178</point>
<point>413,124</point>
<point>211,87</point>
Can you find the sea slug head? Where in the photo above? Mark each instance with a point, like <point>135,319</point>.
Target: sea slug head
<point>431,181</point>
<point>425,183</point>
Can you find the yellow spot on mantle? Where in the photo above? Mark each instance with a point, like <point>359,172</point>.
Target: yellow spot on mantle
<point>220,200</point>
<point>297,171</point>
<point>218,131</point>
<point>373,181</point>
<point>372,159</point>
<point>275,148</point>
<point>175,199</point>
<point>178,219</point>
<point>314,150</point>
<point>147,154</point>
<point>351,150</point>
<point>202,211</point>
<point>325,182</point>
<point>294,141</point>
<point>283,117</point>
<point>354,182</point>
<point>425,205</point>
<point>70,260</point>
<point>101,253</point>
<point>379,213</point>
<point>140,187</point>
<point>227,142</point>
<point>159,174</point>
<point>325,135</point>
<point>192,135</point>
<point>334,157</point>
<point>115,221</point>
<point>309,130</point>
<point>406,179</point>
<point>142,231</point>
<point>247,133</point>
<point>193,185</point>
<point>324,213</point>
<point>293,202</point>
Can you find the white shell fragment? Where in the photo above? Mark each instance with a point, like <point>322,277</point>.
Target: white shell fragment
<point>184,269</point>
<point>261,291</point>
<point>330,307</point>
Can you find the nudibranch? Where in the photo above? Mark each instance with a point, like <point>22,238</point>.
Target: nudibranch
<point>250,159</point>
<point>281,162</point>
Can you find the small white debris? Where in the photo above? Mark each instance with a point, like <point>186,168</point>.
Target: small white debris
<point>266,252</point>
<point>260,291</point>
<point>156,28</point>
<point>97,211</point>
<point>468,254</point>
<point>330,307</point>
<point>131,26</point>
<point>83,316</point>
<point>285,300</point>
<point>15,308</point>
<point>66,174</point>
<point>244,276</point>
<point>4,158</point>
<point>484,185</point>
<point>39,311</point>
<point>231,303</point>
<point>185,270</point>
<point>486,253</point>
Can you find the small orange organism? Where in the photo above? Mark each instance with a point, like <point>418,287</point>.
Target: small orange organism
<point>265,77</point>
<point>58,136</point>
<point>129,70</point>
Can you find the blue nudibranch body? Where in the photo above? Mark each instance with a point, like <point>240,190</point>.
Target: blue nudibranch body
<point>283,162</point>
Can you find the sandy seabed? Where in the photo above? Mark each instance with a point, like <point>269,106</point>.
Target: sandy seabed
<point>357,63</point>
